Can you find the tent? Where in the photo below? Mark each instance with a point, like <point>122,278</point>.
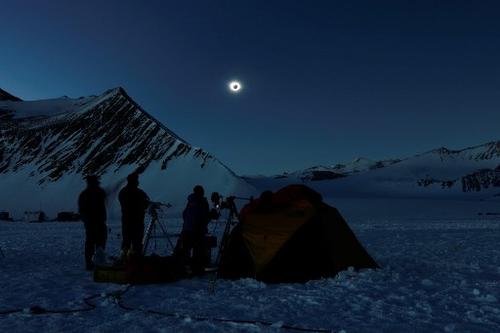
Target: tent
<point>291,236</point>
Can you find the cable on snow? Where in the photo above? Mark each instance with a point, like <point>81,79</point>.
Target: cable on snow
<point>118,294</point>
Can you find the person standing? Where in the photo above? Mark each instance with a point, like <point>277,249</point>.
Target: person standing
<point>134,203</point>
<point>196,217</point>
<point>92,210</point>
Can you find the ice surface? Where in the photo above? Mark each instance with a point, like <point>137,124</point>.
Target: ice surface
<point>440,273</point>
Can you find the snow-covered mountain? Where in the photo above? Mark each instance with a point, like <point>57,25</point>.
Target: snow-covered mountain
<point>5,96</point>
<point>48,146</point>
<point>321,172</point>
<point>468,172</point>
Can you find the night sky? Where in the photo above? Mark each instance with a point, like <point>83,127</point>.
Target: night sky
<point>324,81</point>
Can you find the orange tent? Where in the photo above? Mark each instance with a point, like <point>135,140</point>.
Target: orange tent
<point>291,236</point>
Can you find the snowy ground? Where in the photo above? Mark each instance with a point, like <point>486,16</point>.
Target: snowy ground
<point>440,273</point>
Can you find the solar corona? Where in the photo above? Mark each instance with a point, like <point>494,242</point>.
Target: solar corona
<point>234,86</point>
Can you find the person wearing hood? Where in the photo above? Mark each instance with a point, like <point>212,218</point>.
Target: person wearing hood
<point>92,209</point>
<point>196,216</point>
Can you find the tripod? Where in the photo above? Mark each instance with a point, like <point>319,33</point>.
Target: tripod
<point>232,218</point>
<point>155,227</point>
<point>233,214</point>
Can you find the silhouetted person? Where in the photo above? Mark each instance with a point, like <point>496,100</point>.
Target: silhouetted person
<point>134,203</point>
<point>92,209</point>
<point>196,216</point>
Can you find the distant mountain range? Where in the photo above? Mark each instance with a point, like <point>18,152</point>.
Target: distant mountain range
<point>48,146</point>
<point>469,172</point>
<point>321,172</point>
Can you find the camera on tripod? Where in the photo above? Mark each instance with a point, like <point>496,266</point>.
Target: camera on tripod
<point>220,203</point>
<point>155,206</point>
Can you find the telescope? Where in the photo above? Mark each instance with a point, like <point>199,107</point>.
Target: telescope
<point>158,205</point>
<point>219,202</point>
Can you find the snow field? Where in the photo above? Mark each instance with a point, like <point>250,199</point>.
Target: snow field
<point>440,273</point>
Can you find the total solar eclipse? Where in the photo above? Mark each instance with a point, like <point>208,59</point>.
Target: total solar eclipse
<point>234,86</point>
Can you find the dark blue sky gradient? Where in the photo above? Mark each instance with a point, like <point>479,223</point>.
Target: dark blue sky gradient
<point>325,81</point>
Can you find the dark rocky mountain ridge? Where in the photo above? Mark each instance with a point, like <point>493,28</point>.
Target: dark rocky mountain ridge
<point>49,143</point>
